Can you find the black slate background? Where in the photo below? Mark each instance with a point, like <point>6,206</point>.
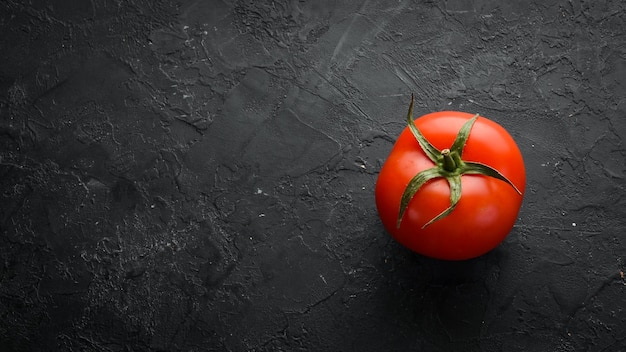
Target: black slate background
<point>198,175</point>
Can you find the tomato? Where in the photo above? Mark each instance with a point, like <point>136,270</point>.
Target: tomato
<point>460,207</point>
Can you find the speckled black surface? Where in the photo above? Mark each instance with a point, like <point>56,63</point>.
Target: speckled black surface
<point>199,176</point>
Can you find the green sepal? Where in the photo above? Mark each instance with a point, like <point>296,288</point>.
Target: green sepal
<point>462,136</point>
<point>413,186</point>
<point>455,196</point>
<point>475,168</point>
<point>431,152</point>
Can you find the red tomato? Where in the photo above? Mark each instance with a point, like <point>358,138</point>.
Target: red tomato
<point>488,206</point>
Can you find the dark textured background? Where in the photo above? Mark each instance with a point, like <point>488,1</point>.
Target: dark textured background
<point>199,176</point>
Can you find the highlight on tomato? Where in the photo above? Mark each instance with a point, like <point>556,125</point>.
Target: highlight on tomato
<point>452,185</point>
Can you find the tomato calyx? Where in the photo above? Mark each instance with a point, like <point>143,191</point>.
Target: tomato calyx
<point>449,164</point>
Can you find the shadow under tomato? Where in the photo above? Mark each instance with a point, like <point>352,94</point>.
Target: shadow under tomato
<point>443,302</point>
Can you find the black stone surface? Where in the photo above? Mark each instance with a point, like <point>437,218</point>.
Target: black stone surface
<point>198,175</point>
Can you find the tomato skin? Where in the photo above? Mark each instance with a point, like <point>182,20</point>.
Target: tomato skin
<point>488,207</point>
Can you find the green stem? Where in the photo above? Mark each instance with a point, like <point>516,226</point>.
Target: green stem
<point>449,164</point>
